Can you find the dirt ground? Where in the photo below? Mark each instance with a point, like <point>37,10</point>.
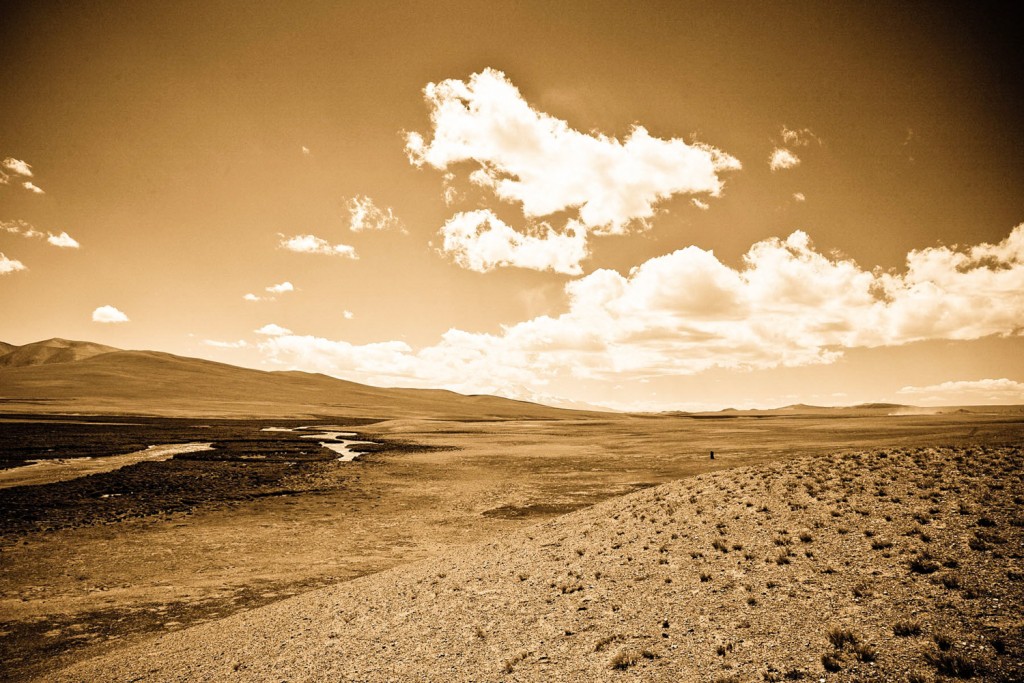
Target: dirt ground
<point>71,593</point>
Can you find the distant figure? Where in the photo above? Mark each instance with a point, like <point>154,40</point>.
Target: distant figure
<point>712,455</point>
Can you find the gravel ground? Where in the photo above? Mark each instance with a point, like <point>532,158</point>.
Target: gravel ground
<point>894,565</point>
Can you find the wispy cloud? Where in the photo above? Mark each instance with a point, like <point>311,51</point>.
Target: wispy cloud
<point>365,215</point>
<point>310,244</point>
<point>19,171</point>
<point>801,137</point>
<point>240,344</point>
<point>685,312</point>
<point>348,315</point>
<point>280,288</point>
<point>20,227</point>
<point>782,159</point>
<point>273,330</point>
<point>9,265</point>
<point>108,314</point>
<point>967,392</point>
<point>535,160</point>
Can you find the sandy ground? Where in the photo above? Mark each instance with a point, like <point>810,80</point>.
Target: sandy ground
<point>903,564</point>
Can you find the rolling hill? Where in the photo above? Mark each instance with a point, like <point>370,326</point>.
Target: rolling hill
<point>50,351</point>
<point>62,376</point>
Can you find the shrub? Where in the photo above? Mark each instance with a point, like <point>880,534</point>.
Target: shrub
<point>606,641</point>
<point>865,652</point>
<point>943,641</point>
<point>627,658</point>
<point>907,628</point>
<point>831,662</point>
<point>840,637</point>
<point>952,664</point>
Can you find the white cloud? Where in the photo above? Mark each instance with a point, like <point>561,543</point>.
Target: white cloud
<point>310,244</point>
<point>537,161</point>
<point>240,344</point>
<point>32,187</point>
<point>108,314</point>
<point>19,227</point>
<point>480,241</point>
<point>281,288</point>
<point>305,151</point>
<point>272,330</point>
<point>700,204</point>
<point>799,197</point>
<point>348,315</point>
<point>63,240</point>
<point>782,159</point>
<point>365,215</point>
<point>9,265</point>
<point>18,167</point>
<point>968,392</point>
<point>251,297</point>
<point>686,312</point>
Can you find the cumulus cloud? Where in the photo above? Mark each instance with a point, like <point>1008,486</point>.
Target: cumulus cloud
<point>281,288</point>
<point>365,215</point>
<point>252,297</point>
<point>782,159</point>
<point>108,314</point>
<point>479,240</point>
<point>9,265</point>
<point>686,312</point>
<point>272,330</point>
<point>700,204</point>
<point>63,240</point>
<point>348,315</point>
<point>305,151</point>
<point>968,392</point>
<point>311,244</point>
<point>799,197</point>
<point>537,161</point>
<point>18,167</point>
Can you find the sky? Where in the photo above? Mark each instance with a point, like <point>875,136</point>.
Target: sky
<point>639,206</point>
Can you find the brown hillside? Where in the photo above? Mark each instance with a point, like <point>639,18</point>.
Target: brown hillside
<point>50,351</point>
<point>898,565</point>
<point>153,383</point>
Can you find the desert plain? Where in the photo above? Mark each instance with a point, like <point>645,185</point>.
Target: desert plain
<point>295,527</point>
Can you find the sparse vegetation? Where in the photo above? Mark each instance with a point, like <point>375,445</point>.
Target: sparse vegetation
<point>952,664</point>
<point>907,628</point>
<point>630,657</point>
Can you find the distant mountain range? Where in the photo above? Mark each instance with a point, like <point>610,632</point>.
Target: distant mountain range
<point>65,376</point>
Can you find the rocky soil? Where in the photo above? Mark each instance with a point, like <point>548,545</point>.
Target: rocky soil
<point>886,565</point>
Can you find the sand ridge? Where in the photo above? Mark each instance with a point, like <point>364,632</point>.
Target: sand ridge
<point>898,565</point>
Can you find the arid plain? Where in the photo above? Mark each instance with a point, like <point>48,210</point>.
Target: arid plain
<point>96,565</point>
